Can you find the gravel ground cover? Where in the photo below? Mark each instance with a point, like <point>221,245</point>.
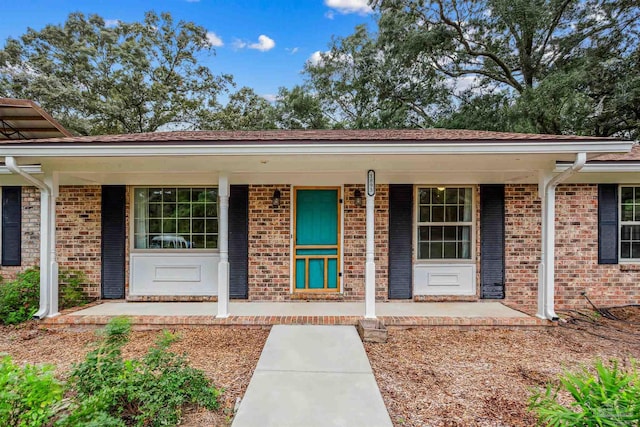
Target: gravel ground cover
<point>484,377</point>
<point>227,355</point>
<point>427,376</point>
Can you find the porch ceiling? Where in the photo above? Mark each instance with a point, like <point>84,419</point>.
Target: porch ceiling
<point>330,169</point>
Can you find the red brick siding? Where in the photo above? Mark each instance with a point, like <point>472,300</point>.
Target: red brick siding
<point>78,233</point>
<point>577,268</point>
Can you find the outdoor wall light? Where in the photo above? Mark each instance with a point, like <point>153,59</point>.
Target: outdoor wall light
<point>357,198</point>
<point>275,200</point>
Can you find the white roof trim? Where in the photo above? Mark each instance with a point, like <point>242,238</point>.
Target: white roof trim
<point>603,167</point>
<point>126,150</point>
<point>30,169</point>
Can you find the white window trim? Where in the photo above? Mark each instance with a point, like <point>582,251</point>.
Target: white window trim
<point>161,251</point>
<point>620,224</point>
<point>417,223</point>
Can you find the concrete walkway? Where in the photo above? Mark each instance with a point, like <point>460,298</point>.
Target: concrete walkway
<point>311,376</point>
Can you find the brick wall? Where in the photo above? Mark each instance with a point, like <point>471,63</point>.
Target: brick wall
<point>30,233</point>
<point>78,233</point>
<point>577,268</point>
<point>355,229</point>
<point>270,252</point>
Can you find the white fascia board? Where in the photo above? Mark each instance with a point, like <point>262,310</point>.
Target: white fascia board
<point>478,147</point>
<point>30,169</point>
<point>603,167</point>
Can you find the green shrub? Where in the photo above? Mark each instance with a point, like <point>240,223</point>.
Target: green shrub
<point>611,397</point>
<point>148,392</point>
<point>28,396</point>
<point>20,298</point>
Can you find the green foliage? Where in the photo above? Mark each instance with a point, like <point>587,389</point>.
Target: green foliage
<point>97,78</point>
<point>150,391</point>
<point>19,298</point>
<point>70,285</point>
<point>610,397</point>
<point>28,396</point>
<point>246,110</point>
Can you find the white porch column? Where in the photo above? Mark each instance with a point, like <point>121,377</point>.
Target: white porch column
<point>52,183</point>
<point>223,240</point>
<point>370,272</point>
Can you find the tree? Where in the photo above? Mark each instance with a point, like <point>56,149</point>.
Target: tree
<point>130,77</point>
<point>245,110</point>
<point>359,85</point>
<point>553,60</point>
<point>298,108</point>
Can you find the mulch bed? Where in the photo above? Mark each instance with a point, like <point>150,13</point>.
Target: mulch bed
<point>227,355</point>
<point>484,377</point>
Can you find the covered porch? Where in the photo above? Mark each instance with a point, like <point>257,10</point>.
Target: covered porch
<point>399,314</point>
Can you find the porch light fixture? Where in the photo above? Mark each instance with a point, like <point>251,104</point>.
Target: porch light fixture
<point>275,200</point>
<point>357,198</point>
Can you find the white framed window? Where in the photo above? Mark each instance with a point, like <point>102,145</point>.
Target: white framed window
<point>175,218</point>
<point>629,201</point>
<point>444,223</point>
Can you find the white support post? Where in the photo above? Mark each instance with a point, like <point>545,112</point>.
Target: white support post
<point>370,271</point>
<point>45,264</point>
<point>52,183</point>
<point>223,240</point>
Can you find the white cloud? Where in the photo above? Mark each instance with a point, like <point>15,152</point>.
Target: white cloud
<point>349,6</point>
<point>330,14</point>
<point>214,39</point>
<point>292,50</point>
<point>264,44</point>
<point>111,22</point>
<point>270,97</point>
<point>315,58</point>
<point>238,44</point>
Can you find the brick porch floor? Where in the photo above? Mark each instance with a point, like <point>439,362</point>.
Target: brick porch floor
<point>296,313</point>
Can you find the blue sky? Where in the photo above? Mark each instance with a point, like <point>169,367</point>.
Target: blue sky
<point>262,43</point>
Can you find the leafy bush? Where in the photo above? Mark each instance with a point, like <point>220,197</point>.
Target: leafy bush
<point>28,396</point>
<point>147,392</point>
<point>72,293</point>
<point>19,299</point>
<point>611,397</point>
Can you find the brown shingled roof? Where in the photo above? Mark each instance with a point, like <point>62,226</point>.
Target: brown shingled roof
<point>307,136</point>
<point>632,156</point>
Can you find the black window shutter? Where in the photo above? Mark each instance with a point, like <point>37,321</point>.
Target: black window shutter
<point>400,241</point>
<point>607,224</point>
<point>239,242</point>
<point>11,226</point>
<point>492,241</point>
<point>113,241</point>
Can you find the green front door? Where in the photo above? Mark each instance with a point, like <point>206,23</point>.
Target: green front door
<point>316,239</point>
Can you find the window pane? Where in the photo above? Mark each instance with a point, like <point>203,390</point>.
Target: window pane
<point>184,226</point>
<point>635,250</point>
<point>637,212</point>
<point>450,250</point>
<point>212,226</point>
<point>155,226</point>
<point>197,195</point>
<point>155,195</point>
<point>169,210</point>
<point>211,195</point>
<point>626,195</point>
<point>155,210</point>
<point>436,233</point>
<point>197,225</point>
<point>169,226</point>
<point>451,196</point>
<point>464,250</point>
<point>425,195</point>
<point>211,210</point>
<point>435,250</point>
<point>625,250</point>
<point>169,195</point>
<point>197,210</point>
<point>211,241</point>
<point>198,241</point>
<point>449,233</point>
<point>451,214</point>
<point>423,251</point>
<point>464,233</point>
<point>437,196</point>
<point>437,214</point>
<point>468,196</point>
<point>424,214</point>
<point>184,194</point>
<point>627,212</point>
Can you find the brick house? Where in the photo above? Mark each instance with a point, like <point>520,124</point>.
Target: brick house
<point>338,215</point>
